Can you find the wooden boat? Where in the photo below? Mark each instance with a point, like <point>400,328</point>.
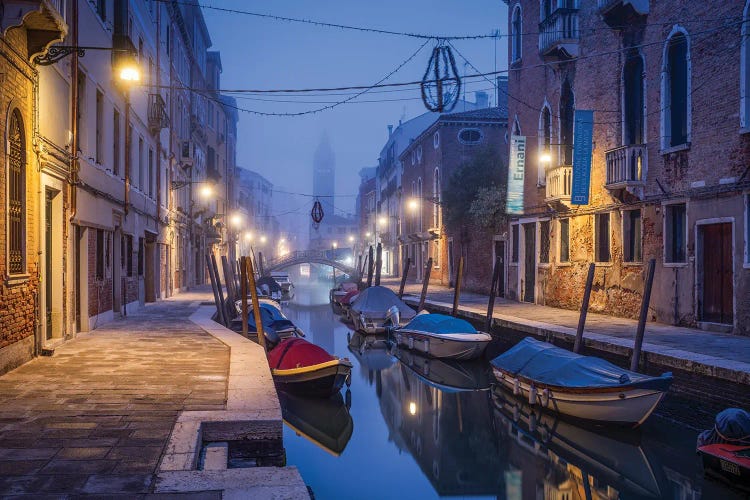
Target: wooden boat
<point>341,295</point>
<point>373,310</point>
<point>272,316</point>
<point>583,387</point>
<point>442,336</point>
<point>324,422</point>
<point>727,462</point>
<point>287,287</point>
<point>447,375</point>
<point>302,368</point>
<point>613,457</point>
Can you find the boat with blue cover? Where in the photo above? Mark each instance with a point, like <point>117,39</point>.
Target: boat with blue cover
<point>579,386</point>
<point>442,336</point>
<point>272,317</point>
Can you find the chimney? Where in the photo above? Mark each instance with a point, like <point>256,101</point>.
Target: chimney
<point>482,99</point>
<point>390,130</point>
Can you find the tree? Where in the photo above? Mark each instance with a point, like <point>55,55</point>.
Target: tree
<point>478,180</point>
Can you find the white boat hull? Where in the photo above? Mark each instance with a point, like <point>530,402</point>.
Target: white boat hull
<point>629,406</point>
<point>460,346</point>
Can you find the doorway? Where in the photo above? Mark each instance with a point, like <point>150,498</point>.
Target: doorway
<point>117,262</point>
<point>500,259</point>
<point>529,261</point>
<point>715,275</point>
<point>53,265</point>
<point>150,273</point>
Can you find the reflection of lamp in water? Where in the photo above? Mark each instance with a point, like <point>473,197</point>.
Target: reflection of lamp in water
<point>413,408</point>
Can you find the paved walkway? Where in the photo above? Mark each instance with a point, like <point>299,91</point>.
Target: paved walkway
<point>95,418</point>
<point>722,355</point>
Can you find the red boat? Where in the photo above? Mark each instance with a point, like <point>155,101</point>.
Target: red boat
<point>302,368</point>
<point>728,462</point>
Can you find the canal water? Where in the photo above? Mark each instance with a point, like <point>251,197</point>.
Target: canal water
<point>411,427</point>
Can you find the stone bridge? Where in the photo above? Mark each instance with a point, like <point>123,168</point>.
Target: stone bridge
<point>307,257</point>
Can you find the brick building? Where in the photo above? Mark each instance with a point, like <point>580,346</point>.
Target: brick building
<point>429,162</point>
<point>669,175</point>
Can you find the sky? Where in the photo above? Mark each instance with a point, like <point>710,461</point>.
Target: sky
<point>269,54</point>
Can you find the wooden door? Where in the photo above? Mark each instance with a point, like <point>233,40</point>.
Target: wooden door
<point>529,261</point>
<point>718,291</point>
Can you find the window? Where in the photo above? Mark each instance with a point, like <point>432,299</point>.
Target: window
<point>564,240</point>
<point>544,242</point>
<point>546,9</point>
<point>633,99</point>
<point>566,122</point>
<point>419,196</point>
<point>545,142</point>
<point>101,9</point>
<point>515,243</point>
<point>436,140</point>
<point>99,254</point>
<point>631,236</point>
<point>419,154</point>
<point>151,173</point>
<point>81,108</point>
<point>745,69</point>
<point>436,215</point>
<point>676,90</point>
<point>675,233</point>
<point>747,229</point>
<point>141,166</point>
<point>141,255</point>
<point>16,141</point>
<point>601,231</point>
<point>129,254</point>
<point>116,142</point>
<point>470,136</point>
<point>516,28</point>
<point>99,153</point>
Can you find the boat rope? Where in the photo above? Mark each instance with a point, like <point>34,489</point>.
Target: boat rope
<point>743,439</point>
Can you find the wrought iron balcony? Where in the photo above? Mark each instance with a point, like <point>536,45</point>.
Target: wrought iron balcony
<point>626,166</point>
<point>43,20</point>
<point>559,180</point>
<point>559,34</point>
<point>157,112</point>
<point>620,13</point>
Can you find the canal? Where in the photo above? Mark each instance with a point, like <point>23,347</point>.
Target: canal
<point>411,427</point>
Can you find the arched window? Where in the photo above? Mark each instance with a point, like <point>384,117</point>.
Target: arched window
<point>436,140</point>
<point>676,90</point>
<point>419,196</point>
<point>745,69</point>
<point>516,126</point>
<point>567,108</point>
<point>436,197</point>
<point>516,28</point>
<point>633,100</point>
<point>546,9</point>
<point>545,141</point>
<point>16,152</point>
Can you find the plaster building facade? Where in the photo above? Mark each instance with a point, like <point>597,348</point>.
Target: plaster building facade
<point>669,169</point>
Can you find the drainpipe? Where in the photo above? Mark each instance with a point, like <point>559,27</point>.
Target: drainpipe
<point>158,133</point>
<point>74,114</point>
<point>127,152</point>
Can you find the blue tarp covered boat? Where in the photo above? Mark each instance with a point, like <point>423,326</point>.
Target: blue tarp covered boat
<point>442,336</point>
<point>370,310</point>
<point>580,386</point>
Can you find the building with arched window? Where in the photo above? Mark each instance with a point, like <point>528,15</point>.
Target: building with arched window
<point>668,175</point>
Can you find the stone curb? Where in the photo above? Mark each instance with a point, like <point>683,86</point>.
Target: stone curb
<point>705,365</point>
<point>252,412</point>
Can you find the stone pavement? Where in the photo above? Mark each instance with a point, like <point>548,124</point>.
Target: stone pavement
<point>94,420</point>
<point>718,355</point>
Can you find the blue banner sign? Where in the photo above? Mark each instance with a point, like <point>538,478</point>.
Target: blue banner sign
<point>516,170</point>
<point>583,129</point>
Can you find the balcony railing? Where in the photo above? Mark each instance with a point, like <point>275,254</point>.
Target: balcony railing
<point>157,112</point>
<point>559,180</point>
<point>559,33</point>
<point>626,165</point>
<point>620,13</point>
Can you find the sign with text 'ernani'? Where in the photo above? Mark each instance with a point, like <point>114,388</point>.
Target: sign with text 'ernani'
<point>516,168</point>
<point>583,129</point>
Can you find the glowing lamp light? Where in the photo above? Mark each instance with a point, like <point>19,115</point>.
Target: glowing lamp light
<point>351,239</point>
<point>335,245</point>
<point>206,192</point>
<point>412,408</point>
<point>368,234</point>
<point>235,220</point>
<point>413,204</point>
<point>248,236</point>
<point>263,239</point>
<point>545,158</point>
<point>348,261</point>
<point>382,221</point>
<point>130,74</point>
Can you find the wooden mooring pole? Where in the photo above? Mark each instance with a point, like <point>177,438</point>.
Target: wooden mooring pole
<point>256,304</point>
<point>643,316</point>
<point>584,308</point>
<point>425,283</point>
<point>216,286</point>
<point>493,292</point>
<point>407,265</point>
<point>378,263</point>
<point>457,290</point>
<point>370,267</point>
<point>243,292</point>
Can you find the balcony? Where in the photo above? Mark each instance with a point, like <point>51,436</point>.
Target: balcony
<point>43,20</point>
<point>621,13</point>
<point>157,113</point>
<point>559,180</point>
<point>559,34</point>
<point>626,167</point>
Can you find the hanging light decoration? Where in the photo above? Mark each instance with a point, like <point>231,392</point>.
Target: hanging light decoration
<point>441,84</point>
<point>317,213</point>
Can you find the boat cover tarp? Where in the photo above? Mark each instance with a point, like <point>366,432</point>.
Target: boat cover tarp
<point>440,323</point>
<point>269,319</point>
<point>296,353</point>
<point>272,284</point>
<point>547,364</point>
<point>376,300</point>
<point>346,299</point>
<point>732,426</point>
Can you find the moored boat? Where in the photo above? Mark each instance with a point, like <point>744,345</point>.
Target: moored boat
<point>372,311</point>
<point>442,336</point>
<point>579,386</point>
<point>725,449</point>
<point>344,290</point>
<point>272,317</point>
<point>305,369</point>
<point>287,287</point>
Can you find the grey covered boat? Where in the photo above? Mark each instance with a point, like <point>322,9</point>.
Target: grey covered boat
<point>370,312</point>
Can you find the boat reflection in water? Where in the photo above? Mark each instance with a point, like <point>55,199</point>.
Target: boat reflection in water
<point>573,462</point>
<point>324,422</point>
<point>448,431</point>
<point>445,374</point>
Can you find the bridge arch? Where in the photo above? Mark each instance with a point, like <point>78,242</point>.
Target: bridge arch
<point>307,257</point>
